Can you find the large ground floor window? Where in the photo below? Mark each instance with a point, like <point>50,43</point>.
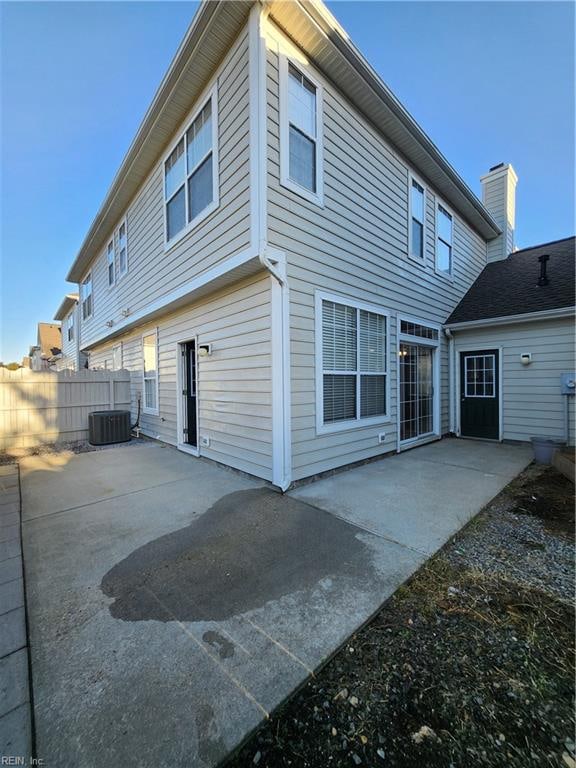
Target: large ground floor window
<point>352,363</point>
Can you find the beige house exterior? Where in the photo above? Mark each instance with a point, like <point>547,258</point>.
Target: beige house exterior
<point>278,254</point>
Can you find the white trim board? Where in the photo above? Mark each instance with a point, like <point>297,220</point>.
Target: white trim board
<point>436,344</point>
<point>526,317</point>
<point>246,261</point>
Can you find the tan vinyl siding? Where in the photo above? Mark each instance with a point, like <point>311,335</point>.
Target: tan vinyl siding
<point>234,383</point>
<point>154,272</point>
<point>531,401</point>
<point>356,246</point>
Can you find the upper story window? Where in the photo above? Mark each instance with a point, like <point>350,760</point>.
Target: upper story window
<point>352,360</point>
<point>69,327</point>
<point>417,207</point>
<point>190,173</point>
<point>122,249</point>
<point>86,296</point>
<point>301,133</point>
<point>110,263</point>
<point>444,231</point>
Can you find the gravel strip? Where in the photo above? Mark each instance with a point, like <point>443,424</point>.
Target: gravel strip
<point>508,541</point>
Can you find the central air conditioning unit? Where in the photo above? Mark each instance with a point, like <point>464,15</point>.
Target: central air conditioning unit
<point>107,427</point>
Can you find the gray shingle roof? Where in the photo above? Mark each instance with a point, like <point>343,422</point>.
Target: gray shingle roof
<point>510,287</point>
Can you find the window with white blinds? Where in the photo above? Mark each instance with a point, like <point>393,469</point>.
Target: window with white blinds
<point>354,363</point>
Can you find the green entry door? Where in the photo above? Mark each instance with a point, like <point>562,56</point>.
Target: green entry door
<point>479,388</point>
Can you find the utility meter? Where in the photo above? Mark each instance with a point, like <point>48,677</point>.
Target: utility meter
<point>568,383</point>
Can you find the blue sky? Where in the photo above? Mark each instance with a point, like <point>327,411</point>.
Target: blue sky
<point>489,82</point>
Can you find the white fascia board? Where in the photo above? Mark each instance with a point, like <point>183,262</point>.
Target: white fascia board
<point>234,268</point>
<point>527,317</point>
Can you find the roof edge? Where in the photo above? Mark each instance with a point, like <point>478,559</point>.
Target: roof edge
<point>524,317</point>
<point>67,303</point>
<point>543,245</point>
<point>193,35</point>
<point>355,58</point>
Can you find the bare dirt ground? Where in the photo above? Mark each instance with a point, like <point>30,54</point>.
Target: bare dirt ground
<point>469,664</point>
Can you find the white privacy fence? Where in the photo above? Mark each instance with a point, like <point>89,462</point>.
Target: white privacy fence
<point>39,407</point>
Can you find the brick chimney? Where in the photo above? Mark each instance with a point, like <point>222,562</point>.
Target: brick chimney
<point>499,197</point>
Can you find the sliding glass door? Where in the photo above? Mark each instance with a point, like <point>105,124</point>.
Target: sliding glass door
<point>416,390</point>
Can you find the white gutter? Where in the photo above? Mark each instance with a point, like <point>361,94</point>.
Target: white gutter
<point>527,317</point>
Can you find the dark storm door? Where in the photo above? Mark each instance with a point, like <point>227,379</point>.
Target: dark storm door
<point>190,392</point>
<point>479,394</point>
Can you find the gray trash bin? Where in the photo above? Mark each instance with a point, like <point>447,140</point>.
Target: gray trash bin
<point>545,448</point>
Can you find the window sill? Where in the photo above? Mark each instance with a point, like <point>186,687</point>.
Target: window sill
<point>444,275</point>
<point>315,198</point>
<point>189,228</point>
<point>421,262</point>
<point>347,426</point>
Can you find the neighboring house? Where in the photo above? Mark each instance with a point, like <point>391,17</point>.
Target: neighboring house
<point>68,314</point>
<point>512,339</point>
<point>278,253</point>
<point>45,353</point>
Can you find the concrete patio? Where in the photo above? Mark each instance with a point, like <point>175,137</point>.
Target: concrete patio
<point>173,604</point>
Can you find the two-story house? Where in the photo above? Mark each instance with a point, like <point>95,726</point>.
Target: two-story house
<point>277,255</point>
<point>70,358</point>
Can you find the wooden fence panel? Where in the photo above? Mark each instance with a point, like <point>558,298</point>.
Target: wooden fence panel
<point>39,407</point>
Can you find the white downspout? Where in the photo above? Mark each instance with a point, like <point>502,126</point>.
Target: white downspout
<point>451,382</point>
<point>273,261</point>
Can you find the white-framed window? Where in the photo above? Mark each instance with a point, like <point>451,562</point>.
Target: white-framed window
<point>121,240</point>
<point>480,380</point>
<point>150,372</point>
<point>86,296</point>
<point>351,363</point>
<point>444,235</point>
<point>191,173</point>
<point>69,327</point>
<point>117,357</point>
<point>416,219</point>
<point>110,263</point>
<point>301,149</point>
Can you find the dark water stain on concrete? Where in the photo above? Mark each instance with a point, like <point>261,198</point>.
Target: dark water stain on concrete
<point>249,548</point>
<point>211,748</point>
<point>224,647</point>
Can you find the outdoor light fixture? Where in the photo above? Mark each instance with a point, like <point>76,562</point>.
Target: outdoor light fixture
<point>204,350</point>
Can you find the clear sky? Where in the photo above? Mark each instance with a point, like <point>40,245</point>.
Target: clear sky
<point>489,82</point>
